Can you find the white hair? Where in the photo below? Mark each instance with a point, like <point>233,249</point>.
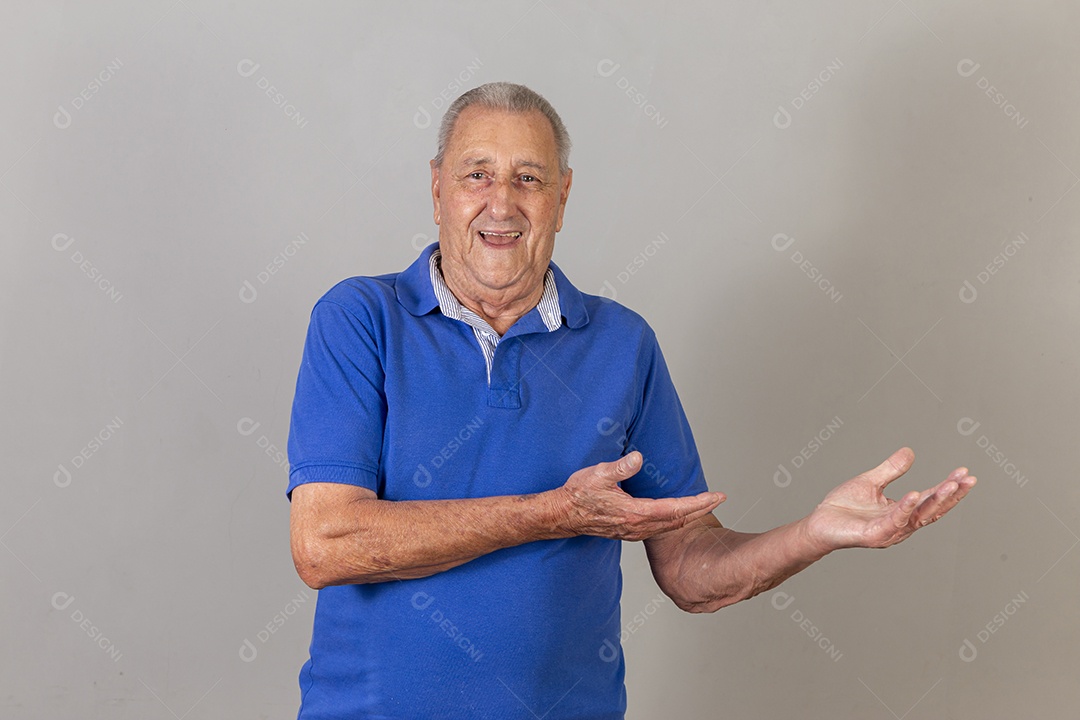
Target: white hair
<point>511,98</point>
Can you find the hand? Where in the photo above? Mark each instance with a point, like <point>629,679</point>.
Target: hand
<point>592,503</point>
<point>857,513</point>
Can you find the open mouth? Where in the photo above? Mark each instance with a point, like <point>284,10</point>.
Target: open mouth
<point>499,238</point>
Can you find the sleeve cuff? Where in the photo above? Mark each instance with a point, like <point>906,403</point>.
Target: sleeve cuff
<point>344,474</point>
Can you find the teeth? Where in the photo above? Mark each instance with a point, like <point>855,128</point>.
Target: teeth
<point>511,234</point>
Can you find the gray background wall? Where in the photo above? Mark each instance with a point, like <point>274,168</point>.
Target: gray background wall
<point>844,243</point>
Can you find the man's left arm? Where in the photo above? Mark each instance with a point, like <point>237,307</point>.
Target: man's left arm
<point>705,566</point>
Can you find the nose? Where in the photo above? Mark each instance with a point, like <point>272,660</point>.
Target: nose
<point>501,203</point>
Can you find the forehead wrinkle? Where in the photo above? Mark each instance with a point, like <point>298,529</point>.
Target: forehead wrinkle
<point>532,164</point>
<point>476,161</point>
<point>479,133</point>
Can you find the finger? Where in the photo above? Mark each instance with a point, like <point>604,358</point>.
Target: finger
<point>714,498</point>
<point>678,508</point>
<point>958,481</point>
<point>958,474</point>
<point>894,466</point>
<point>666,523</point>
<point>905,508</point>
<point>628,465</point>
<point>687,519</point>
<point>621,469</point>
<point>944,498</point>
<point>934,503</point>
<point>928,494</point>
<point>966,484</point>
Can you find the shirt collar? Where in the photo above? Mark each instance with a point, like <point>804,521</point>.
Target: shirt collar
<point>416,293</point>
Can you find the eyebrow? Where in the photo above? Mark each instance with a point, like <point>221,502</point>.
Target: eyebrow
<point>474,161</point>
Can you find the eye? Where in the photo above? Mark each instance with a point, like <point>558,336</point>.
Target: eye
<point>476,175</point>
<point>528,178</point>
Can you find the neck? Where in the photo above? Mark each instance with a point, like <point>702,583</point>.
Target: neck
<point>501,307</point>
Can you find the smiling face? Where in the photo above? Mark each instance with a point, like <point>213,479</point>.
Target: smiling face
<point>499,200</point>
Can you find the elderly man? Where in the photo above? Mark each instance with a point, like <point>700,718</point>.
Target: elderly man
<point>472,439</point>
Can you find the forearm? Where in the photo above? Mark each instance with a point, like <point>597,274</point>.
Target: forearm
<point>374,540</point>
<point>705,567</point>
<point>342,534</point>
<point>720,566</point>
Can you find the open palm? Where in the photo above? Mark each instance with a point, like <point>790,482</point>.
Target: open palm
<point>857,513</point>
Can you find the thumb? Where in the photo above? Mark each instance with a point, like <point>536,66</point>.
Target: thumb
<point>894,466</point>
<point>626,466</point>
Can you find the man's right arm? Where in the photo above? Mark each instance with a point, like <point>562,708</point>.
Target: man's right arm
<point>343,534</point>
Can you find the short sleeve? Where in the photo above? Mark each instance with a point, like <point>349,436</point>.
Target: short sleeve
<point>339,409</point>
<point>671,466</point>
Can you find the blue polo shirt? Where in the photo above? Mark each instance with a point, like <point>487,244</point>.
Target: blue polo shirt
<point>393,396</point>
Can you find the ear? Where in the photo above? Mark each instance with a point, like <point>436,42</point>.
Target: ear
<point>435,190</point>
<point>563,195</point>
